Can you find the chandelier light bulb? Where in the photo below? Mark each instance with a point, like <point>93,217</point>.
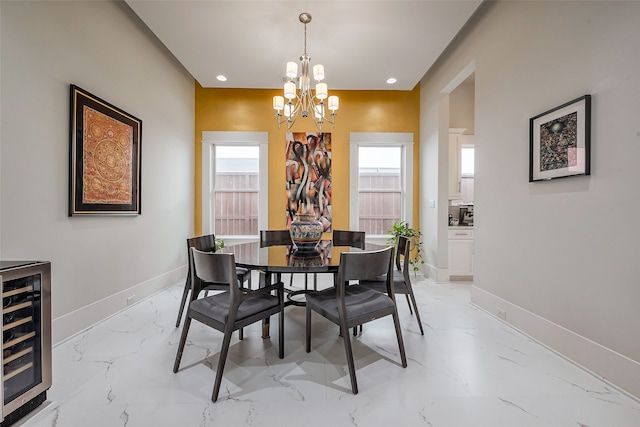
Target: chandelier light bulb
<point>292,70</point>
<point>290,90</point>
<point>288,110</point>
<point>278,103</point>
<point>334,103</point>
<point>318,72</point>
<point>321,91</point>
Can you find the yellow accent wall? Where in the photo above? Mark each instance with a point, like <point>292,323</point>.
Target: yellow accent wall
<point>249,110</point>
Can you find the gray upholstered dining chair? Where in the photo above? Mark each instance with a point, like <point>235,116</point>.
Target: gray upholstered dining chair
<point>349,305</point>
<point>279,238</point>
<point>230,310</point>
<point>401,278</point>
<point>205,243</point>
<point>355,239</point>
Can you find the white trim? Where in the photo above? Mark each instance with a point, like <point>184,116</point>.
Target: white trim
<point>212,138</point>
<point>207,186</point>
<point>458,79</point>
<point>437,275</point>
<point>616,369</point>
<point>240,138</point>
<point>387,139</point>
<point>381,138</point>
<point>77,321</point>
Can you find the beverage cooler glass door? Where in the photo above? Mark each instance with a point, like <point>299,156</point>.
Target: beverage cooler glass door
<point>26,335</point>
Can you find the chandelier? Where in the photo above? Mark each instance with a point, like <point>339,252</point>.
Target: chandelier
<point>300,101</point>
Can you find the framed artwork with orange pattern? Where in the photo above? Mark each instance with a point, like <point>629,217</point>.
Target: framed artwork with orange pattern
<point>104,172</point>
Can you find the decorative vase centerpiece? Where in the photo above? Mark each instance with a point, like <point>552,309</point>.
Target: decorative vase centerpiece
<point>306,231</point>
<point>305,258</point>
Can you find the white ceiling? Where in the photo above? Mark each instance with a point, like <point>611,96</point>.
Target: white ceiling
<point>361,43</point>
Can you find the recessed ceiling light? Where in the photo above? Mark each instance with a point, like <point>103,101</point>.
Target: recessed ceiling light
<point>221,78</point>
<point>391,80</point>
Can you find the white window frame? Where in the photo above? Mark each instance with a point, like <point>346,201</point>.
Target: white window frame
<point>381,139</point>
<point>209,141</point>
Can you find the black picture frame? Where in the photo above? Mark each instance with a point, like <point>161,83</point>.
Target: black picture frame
<point>560,141</point>
<point>104,157</point>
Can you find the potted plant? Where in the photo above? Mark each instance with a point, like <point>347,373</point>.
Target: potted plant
<point>219,244</point>
<point>415,235</point>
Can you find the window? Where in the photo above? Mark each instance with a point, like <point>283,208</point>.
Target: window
<point>236,188</point>
<point>467,154</point>
<point>234,170</point>
<point>381,181</point>
<point>379,189</point>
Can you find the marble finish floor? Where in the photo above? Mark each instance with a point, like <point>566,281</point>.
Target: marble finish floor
<point>469,369</point>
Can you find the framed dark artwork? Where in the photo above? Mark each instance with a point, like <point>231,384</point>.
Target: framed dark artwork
<point>308,175</point>
<point>560,141</point>
<point>104,165</point>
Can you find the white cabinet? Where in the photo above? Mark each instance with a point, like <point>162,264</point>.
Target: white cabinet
<point>460,252</point>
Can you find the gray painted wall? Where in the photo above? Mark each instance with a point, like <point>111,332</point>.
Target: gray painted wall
<point>462,107</point>
<point>97,262</point>
<point>563,251</point>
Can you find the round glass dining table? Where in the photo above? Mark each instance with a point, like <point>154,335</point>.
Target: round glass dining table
<point>278,259</point>
<point>325,258</point>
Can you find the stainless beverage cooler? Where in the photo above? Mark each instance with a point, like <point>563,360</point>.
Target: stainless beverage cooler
<point>26,337</point>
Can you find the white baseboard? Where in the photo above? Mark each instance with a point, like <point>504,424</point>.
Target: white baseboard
<point>614,368</point>
<point>70,324</point>
<point>437,275</point>
<point>461,278</point>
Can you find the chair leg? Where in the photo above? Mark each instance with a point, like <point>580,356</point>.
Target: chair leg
<point>183,340</point>
<point>415,307</point>
<point>241,334</point>
<point>308,331</point>
<point>226,341</point>
<point>185,293</point>
<point>396,322</point>
<point>281,328</point>
<point>408,303</point>
<point>350,364</point>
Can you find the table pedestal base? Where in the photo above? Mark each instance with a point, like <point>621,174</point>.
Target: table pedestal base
<point>297,303</point>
